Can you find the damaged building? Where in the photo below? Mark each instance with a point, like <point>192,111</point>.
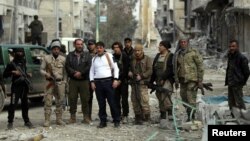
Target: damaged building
<point>222,20</point>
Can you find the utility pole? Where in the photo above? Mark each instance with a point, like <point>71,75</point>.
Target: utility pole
<point>97,19</point>
<point>15,19</point>
<point>174,24</point>
<point>56,3</point>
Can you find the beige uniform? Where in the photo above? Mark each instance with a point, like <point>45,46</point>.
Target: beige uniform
<point>56,86</point>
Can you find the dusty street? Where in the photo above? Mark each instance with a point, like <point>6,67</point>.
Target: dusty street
<point>82,132</point>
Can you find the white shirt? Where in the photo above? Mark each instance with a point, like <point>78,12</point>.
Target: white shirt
<point>100,67</point>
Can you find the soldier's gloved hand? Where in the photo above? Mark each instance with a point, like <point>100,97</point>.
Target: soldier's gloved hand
<point>138,77</point>
<point>130,74</point>
<point>177,85</point>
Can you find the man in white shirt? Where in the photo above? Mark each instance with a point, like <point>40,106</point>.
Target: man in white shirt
<point>103,76</point>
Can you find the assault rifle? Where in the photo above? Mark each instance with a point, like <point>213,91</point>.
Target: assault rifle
<point>51,78</point>
<point>23,76</point>
<point>137,90</point>
<point>159,89</point>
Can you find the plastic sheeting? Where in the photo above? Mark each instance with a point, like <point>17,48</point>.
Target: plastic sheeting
<point>220,99</point>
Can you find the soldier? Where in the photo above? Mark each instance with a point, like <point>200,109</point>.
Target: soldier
<point>53,68</point>
<point>163,75</point>
<point>36,27</point>
<point>189,71</point>
<point>121,91</point>
<point>77,66</point>
<point>92,52</point>
<point>237,74</point>
<point>140,72</point>
<point>19,89</point>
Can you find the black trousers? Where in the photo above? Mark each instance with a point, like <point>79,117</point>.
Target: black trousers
<point>36,39</point>
<point>104,91</point>
<point>18,92</point>
<point>90,102</point>
<point>235,97</point>
<point>121,98</point>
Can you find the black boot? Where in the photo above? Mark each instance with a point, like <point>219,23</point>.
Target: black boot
<point>163,115</point>
<point>138,120</point>
<point>147,117</point>
<point>189,110</point>
<point>170,114</point>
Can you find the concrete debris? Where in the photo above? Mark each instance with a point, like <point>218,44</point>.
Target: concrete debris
<point>165,124</point>
<point>243,116</point>
<point>3,137</point>
<point>37,137</point>
<point>191,126</point>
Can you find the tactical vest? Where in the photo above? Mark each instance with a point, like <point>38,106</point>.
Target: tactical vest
<point>160,65</point>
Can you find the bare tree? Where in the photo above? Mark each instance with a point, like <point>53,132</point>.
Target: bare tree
<point>120,21</point>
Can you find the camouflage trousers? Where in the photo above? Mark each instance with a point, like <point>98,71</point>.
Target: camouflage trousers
<point>235,97</point>
<point>188,95</point>
<point>140,101</point>
<point>164,98</point>
<point>58,91</point>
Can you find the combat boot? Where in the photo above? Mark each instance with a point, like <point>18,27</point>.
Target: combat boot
<point>147,117</point>
<point>170,114</point>
<point>86,119</point>
<point>47,120</point>
<point>190,117</point>
<point>59,120</point>
<point>138,120</point>
<point>163,115</point>
<point>72,119</point>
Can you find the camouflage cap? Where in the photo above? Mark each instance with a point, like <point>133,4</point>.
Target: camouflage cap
<point>56,44</point>
<point>183,37</point>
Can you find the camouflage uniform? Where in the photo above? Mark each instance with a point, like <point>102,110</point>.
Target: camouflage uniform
<point>141,106</point>
<point>55,87</point>
<point>189,72</point>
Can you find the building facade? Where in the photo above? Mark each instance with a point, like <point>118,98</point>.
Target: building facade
<point>60,18</point>
<point>170,18</point>
<point>67,18</point>
<point>223,20</point>
<point>15,15</point>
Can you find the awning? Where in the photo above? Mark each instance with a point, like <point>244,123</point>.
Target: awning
<point>201,6</point>
<point>238,9</point>
<point>209,5</point>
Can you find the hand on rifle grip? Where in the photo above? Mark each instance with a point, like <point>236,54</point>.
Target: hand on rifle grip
<point>177,85</point>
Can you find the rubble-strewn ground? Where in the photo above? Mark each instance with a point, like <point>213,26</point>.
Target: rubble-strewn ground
<point>127,132</point>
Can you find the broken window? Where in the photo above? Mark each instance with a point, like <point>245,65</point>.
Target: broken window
<point>165,8</point>
<point>165,21</point>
